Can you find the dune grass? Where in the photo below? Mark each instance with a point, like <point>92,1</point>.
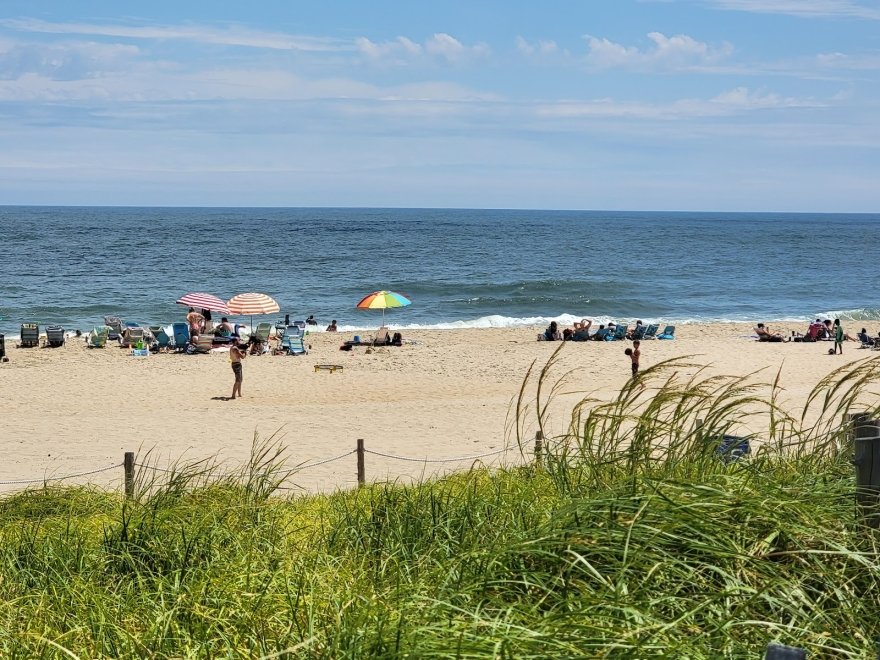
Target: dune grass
<point>632,538</point>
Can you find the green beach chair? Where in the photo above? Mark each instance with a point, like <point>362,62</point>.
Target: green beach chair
<point>98,337</point>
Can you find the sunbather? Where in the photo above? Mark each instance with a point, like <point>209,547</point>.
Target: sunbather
<point>581,330</point>
<point>552,332</point>
<point>764,333</point>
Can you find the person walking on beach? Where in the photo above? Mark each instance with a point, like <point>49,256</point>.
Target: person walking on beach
<point>236,355</point>
<point>838,336</point>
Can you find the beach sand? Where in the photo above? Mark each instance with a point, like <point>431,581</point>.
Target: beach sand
<point>448,393</point>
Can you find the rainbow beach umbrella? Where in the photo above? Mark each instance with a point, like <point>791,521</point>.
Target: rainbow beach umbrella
<point>383,300</point>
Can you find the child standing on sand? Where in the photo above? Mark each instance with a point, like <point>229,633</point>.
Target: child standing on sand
<point>236,355</point>
<point>838,336</point>
<point>634,354</point>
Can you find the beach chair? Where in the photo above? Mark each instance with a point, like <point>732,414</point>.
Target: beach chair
<point>618,334</point>
<point>262,332</point>
<point>651,331</point>
<point>292,341</point>
<point>163,341</point>
<point>601,334</point>
<point>115,325</point>
<point>131,336</point>
<point>638,332</point>
<point>54,336</point>
<point>382,337</point>
<point>98,337</point>
<point>668,333</point>
<point>30,335</point>
<point>181,336</point>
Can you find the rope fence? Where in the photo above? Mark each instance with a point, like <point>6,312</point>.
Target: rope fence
<point>862,431</point>
<point>129,464</point>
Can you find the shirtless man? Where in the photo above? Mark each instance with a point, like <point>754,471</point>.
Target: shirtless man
<point>224,328</point>
<point>236,355</point>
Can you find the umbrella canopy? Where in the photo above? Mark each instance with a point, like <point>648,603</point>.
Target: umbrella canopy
<point>252,304</point>
<point>383,300</point>
<point>204,301</point>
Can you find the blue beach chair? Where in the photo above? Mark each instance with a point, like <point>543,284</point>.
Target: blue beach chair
<point>668,333</point>
<point>292,341</point>
<point>619,333</point>
<point>638,332</point>
<point>651,331</point>
<point>181,335</point>
<point>163,341</point>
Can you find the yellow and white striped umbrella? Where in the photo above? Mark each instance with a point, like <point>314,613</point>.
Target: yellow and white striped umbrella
<point>252,304</point>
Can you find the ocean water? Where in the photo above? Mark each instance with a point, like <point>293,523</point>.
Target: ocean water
<point>461,268</point>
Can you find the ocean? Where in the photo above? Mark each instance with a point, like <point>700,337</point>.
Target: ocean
<point>461,268</point>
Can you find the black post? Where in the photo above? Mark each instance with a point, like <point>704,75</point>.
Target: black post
<point>539,447</point>
<point>867,463</point>
<point>782,652</point>
<point>362,470</point>
<point>128,466</point>
<point>850,421</point>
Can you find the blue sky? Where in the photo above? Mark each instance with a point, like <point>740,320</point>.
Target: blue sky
<point>581,104</point>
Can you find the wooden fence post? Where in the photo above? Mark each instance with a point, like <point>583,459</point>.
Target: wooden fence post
<point>539,447</point>
<point>362,471</point>
<point>867,463</point>
<point>850,421</point>
<point>128,467</point>
<point>782,652</point>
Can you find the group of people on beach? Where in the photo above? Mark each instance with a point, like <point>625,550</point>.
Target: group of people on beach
<point>580,331</point>
<point>819,330</point>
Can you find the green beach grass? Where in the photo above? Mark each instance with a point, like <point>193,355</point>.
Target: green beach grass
<point>631,539</point>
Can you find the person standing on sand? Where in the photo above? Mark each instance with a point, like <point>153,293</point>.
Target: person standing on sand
<point>196,322</point>
<point>236,355</point>
<point>838,336</point>
<point>634,354</point>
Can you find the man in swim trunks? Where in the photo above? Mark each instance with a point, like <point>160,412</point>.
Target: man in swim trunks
<point>236,355</point>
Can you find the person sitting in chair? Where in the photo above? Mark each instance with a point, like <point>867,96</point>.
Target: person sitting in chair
<point>224,328</point>
<point>764,333</point>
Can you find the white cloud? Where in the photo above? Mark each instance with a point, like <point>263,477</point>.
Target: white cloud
<point>451,49</point>
<point>65,60</point>
<point>539,47</point>
<point>679,52</point>
<point>157,84</point>
<point>805,8</point>
<point>440,45</point>
<point>232,35</point>
<point>850,62</point>
<point>731,102</point>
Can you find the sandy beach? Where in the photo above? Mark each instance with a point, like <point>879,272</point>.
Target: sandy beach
<point>444,393</point>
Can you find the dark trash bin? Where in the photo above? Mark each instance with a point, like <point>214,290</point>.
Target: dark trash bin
<point>3,357</point>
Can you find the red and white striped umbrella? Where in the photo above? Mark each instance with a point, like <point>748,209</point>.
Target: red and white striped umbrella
<point>204,301</point>
<point>252,304</point>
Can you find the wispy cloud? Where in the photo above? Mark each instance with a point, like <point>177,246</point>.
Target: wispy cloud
<point>679,52</point>
<point>731,102</point>
<point>65,61</point>
<point>537,47</point>
<point>231,35</point>
<point>441,46</point>
<point>805,8</point>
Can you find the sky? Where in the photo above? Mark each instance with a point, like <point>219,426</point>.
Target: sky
<point>721,105</point>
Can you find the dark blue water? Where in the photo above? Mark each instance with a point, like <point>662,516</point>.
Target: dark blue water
<point>71,266</point>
